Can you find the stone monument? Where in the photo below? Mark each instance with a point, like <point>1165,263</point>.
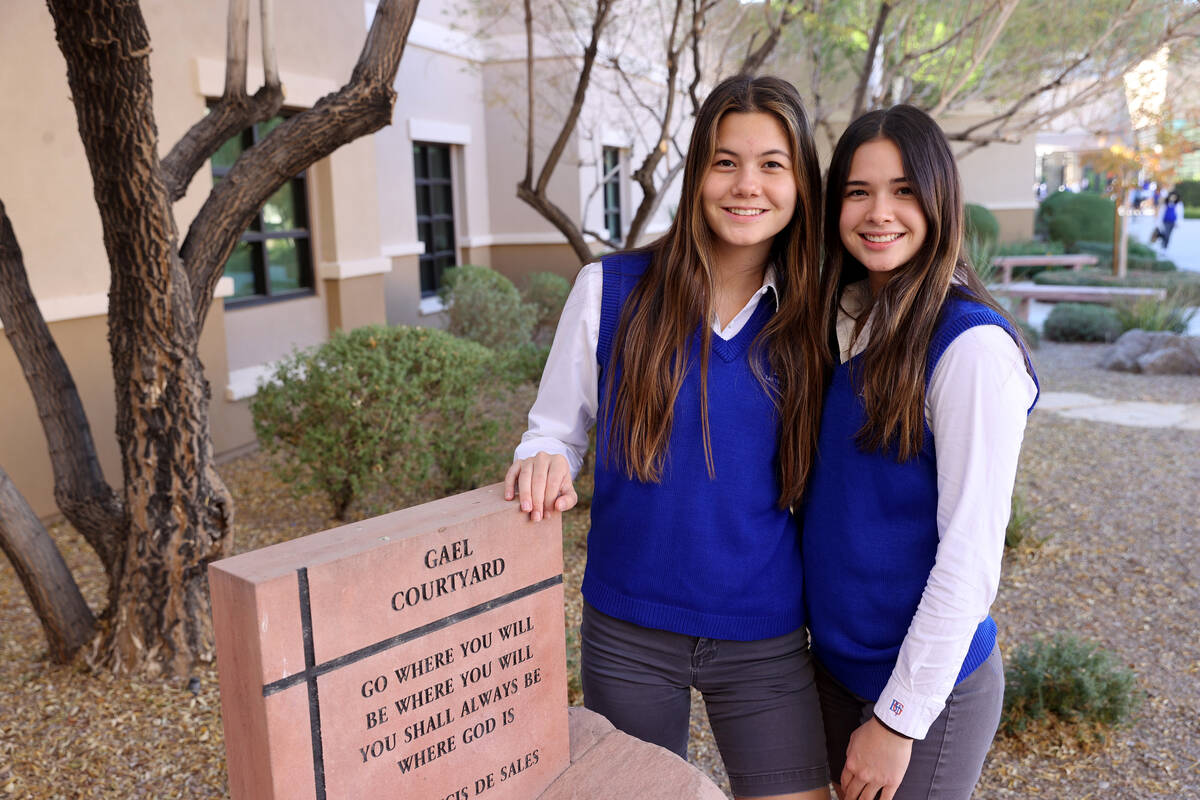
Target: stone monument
<point>417,654</point>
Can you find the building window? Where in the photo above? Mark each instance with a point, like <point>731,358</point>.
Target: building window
<point>435,213</point>
<point>273,259</point>
<point>612,192</point>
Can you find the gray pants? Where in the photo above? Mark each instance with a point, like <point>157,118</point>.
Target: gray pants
<point>945,764</point>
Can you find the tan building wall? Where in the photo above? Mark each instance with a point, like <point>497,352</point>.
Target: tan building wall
<point>46,187</point>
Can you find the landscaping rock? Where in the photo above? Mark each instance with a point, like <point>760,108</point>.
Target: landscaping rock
<point>1154,352</point>
<point>1174,360</point>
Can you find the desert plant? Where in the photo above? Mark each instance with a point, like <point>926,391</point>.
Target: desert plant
<point>1082,322</point>
<point>1139,256</point>
<point>545,294</point>
<point>980,252</point>
<point>485,307</point>
<point>1067,678</point>
<point>379,406</point>
<point>1019,532</point>
<point>1148,314</point>
<point>523,363</point>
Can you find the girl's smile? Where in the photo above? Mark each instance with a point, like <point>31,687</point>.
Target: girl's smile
<point>881,224</point>
<point>749,191</point>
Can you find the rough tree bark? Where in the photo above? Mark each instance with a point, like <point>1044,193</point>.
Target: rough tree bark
<point>174,514</point>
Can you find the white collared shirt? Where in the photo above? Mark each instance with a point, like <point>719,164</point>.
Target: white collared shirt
<point>976,406</point>
<point>565,408</point>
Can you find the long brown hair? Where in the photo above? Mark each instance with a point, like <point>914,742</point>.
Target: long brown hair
<point>675,295</point>
<point>904,313</point>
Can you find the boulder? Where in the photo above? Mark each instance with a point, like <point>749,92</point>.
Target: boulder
<point>607,764</point>
<point>1177,359</point>
<point>1156,352</point>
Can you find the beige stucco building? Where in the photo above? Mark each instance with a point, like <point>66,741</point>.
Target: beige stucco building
<point>362,235</point>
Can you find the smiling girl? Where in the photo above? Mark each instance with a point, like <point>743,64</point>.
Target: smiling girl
<point>920,434</point>
<point>682,354</point>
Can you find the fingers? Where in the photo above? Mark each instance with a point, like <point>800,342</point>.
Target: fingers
<point>510,480</point>
<point>542,483</point>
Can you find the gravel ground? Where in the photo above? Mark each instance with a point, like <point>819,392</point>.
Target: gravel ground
<point>1116,505</point>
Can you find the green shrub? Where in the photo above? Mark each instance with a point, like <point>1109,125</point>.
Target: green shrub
<point>1138,256</point>
<point>1069,679</point>
<point>523,363</point>
<point>1081,322</point>
<point>1148,314</point>
<point>379,406</point>
<point>1031,247</point>
<point>485,307</point>
<point>545,293</point>
<point>1068,218</point>
<point>1019,532</point>
<point>1189,194</point>
<point>1181,280</point>
<point>981,223</point>
<point>980,252</point>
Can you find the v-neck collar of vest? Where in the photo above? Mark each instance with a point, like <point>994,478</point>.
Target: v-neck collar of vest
<point>731,349</point>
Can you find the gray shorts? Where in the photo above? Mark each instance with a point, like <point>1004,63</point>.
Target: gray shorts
<point>945,765</point>
<point>761,698</point>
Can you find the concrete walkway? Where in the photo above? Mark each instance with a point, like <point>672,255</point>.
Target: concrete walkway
<point>1185,416</point>
<point>1185,240</point>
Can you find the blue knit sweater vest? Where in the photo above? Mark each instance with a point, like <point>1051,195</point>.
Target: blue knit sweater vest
<point>702,557</point>
<point>870,532</point>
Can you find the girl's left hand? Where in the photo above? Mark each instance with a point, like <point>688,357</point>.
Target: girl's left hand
<point>876,761</point>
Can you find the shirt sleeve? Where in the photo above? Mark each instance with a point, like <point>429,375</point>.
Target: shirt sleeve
<point>976,406</point>
<point>565,408</point>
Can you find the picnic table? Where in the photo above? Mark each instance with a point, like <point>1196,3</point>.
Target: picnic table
<point>1075,261</point>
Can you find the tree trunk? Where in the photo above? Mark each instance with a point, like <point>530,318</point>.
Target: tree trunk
<point>1120,260</point>
<point>64,614</point>
<point>178,512</point>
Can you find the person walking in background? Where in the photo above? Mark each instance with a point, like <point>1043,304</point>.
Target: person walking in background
<point>683,354</point>
<point>903,524</point>
<point>1172,212</point>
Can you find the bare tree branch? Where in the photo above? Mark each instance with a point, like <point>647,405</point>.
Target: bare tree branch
<point>860,92</point>
<point>235,111</point>
<point>80,491</point>
<point>535,195</point>
<point>53,593</point>
<point>755,57</point>
<point>362,106</point>
<point>979,57</point>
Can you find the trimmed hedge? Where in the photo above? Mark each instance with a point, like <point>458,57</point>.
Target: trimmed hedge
<point>982,223</point>
<point>1189,194</point>
<point>485,307</point>
<point>1031,247</point>
<point>1082,322</point>
<point>1099,277</point>
<point>1069,218</point>
<point>1138,256</point>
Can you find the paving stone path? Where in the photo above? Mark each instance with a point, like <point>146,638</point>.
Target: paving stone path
<point>1185,416</point>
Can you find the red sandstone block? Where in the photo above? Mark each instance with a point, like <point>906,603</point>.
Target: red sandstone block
<point>418,654</point>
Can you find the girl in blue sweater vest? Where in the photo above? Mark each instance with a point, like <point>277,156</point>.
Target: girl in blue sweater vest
<point>682,354</point>
<point>921,429</point>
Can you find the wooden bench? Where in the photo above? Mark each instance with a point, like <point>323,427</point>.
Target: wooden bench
<point>1075,261</point>
<point>1027,292</point>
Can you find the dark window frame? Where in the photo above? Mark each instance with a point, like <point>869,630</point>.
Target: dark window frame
<point>257,236</point>
<point>428,177</point>
<point>610,179</point>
